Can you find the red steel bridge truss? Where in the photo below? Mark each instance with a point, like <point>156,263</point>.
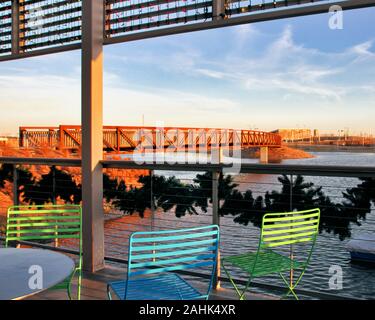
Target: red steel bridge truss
<point>126,139</point>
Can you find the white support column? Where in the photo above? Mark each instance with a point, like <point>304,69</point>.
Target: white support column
<point>92,134</point>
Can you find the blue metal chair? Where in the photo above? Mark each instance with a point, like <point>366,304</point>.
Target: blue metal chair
<point>154,258</point>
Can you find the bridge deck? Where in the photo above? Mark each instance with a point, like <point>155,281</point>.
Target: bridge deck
<point>122,139</point>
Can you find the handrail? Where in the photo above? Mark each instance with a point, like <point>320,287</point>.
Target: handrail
<point>307,170</point>
<point>41,161</point>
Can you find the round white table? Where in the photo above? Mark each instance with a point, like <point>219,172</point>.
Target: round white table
<point>24,272</point>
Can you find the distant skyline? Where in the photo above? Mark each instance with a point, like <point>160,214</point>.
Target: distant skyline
<point>279,74</point>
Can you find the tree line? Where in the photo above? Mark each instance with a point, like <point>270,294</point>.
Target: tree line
<point>170,193</point>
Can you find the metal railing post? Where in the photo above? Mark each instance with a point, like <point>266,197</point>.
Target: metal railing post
<point>152,204</point>
<point>291,246</point>
<point>216,220</point>
<point>15,186</point>
<point>291,193</point>
<point>152,208</point>
<point>53,170</point>
<point>16,194</point>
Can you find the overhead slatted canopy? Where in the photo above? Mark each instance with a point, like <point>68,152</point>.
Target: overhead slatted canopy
<point>48,23</point>
<point>33,27</point>
<point>5,27</point>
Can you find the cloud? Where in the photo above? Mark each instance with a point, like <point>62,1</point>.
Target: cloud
<point>211,73</point>
<point>50,99</point>
<point>290,68</point>
<point>363,49</point>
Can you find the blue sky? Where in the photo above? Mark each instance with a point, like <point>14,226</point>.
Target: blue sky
<point>287,73</point>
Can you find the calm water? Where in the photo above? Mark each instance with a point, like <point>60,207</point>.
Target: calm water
<point>358,281</point>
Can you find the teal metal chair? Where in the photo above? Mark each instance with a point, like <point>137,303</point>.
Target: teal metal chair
<point>279,230</point>
<point>46,223</point>
<point>154,257</point>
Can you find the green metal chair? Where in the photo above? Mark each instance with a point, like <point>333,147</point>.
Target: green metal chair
<point>46,223</point>
<point>280,233</point>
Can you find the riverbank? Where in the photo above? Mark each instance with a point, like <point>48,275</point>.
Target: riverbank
<point>332,148</point>
<point>277,154</point>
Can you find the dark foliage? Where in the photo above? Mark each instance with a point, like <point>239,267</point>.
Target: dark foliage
<point>300,195</point>
<point>6,174</point>
<point>202,190</point>
<point>168,193</point>
<point>172,194</point>
<point>45,190</point>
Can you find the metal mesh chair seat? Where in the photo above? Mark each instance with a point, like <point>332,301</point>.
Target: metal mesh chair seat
<point>167,286</point>
<point>267,262</point>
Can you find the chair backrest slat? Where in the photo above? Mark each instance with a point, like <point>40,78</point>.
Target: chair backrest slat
<point>174,245</point>
<point>173,253</point>
<point>279,229</point>
<point>45,231</point>
<point>288,242</point>
<point>172,261</point>
<point>174,238</point>
<point>24,210</point>
<point>173,268</point>
<point>44,217</point>
<point>294,230</point>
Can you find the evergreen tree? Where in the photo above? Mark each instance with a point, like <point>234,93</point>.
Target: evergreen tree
<point>6,174</point>
<point>202,190</point>
<point>42,191</point>
<point>167,194</point>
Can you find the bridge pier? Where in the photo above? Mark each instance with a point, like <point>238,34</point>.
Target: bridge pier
<point>263,155</point>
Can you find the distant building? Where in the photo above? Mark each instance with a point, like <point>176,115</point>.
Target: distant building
<point>294,135</point>
<point>9,141</point>
<point>3,141</point>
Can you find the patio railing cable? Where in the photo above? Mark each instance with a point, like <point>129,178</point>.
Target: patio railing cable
<point>198,195</point>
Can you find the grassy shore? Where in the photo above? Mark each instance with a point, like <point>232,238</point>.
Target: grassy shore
<point>277,154</point>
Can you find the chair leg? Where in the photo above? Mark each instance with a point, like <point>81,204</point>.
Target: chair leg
<point>240,294</point>
<point>290,287</point>
<point>69,292</point>
<point>69,287</point>
<point>109,292</point>
<point>79,285</point>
